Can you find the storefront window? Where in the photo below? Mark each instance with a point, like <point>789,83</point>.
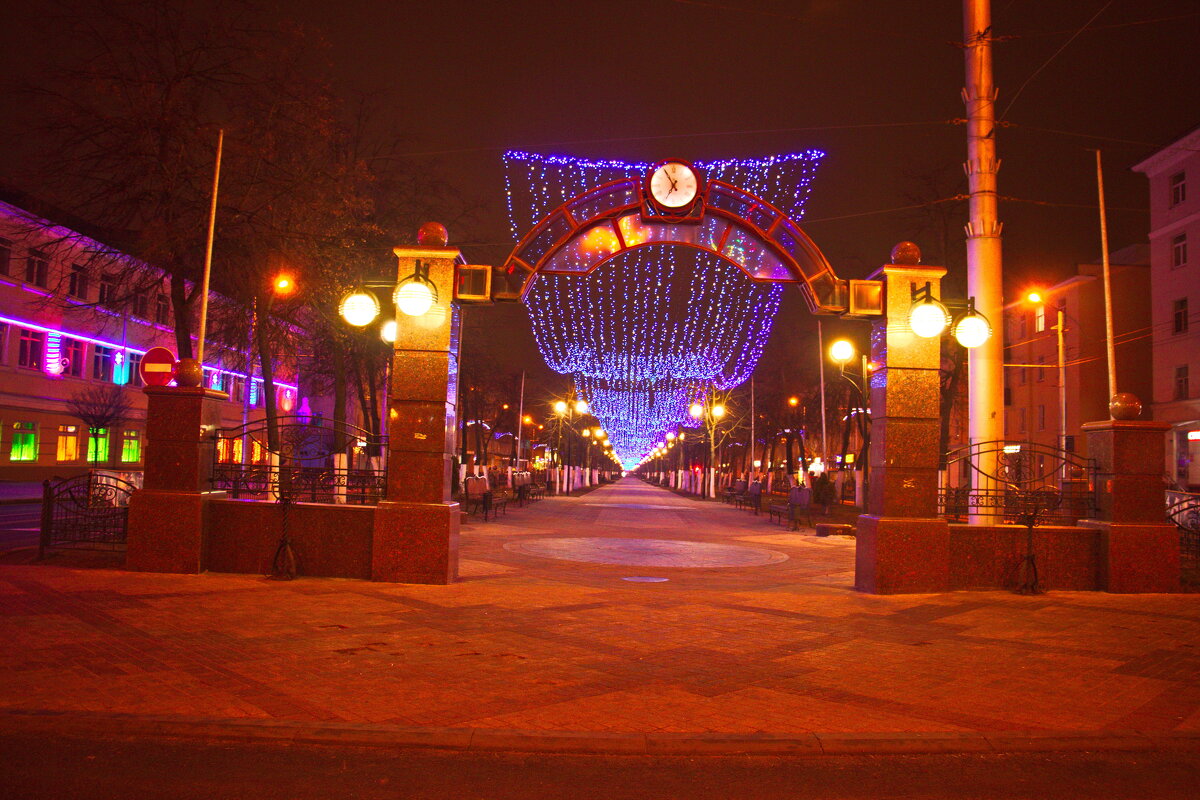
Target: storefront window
<point>24,442</point>
<point>131,447</point>
<point>97,445</point>
<point>68,442</point>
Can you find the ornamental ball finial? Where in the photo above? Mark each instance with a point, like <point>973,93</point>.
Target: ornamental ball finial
<point>1124,405</point>
<point>906,254</point>
<point>433,234</point>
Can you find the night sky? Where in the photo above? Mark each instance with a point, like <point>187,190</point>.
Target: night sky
<point>874,83</point>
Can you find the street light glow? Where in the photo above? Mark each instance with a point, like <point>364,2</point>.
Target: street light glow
<point>1034,297</point>
<point>359,308</point>
<point>413,298</point>
<point>560,407</point>
<point>718,411</point>
<point>972,330</point>
<point>581,407</point>
<point>696,410</point>
<point>841,351</point>
<point>928,318</point>
<point>388,331</point>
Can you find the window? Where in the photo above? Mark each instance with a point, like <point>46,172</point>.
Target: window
<point>73,352</point>
<point>97,445</point>
<point>1069,443</point>
<point>1021,420</point>
<point>141,305</point>
<point>1021,376</point>
<point>135,370</point>
<point>102,363</point>
<point>237,389</point>
<point>3,342</point>
<point>1022,325</point>
<point>131,447</point>
<point>1041,370</point>
<point>216,381</point>
<point>1181,315</point>
<point>77,285</point>
<point>1181,382</point>
<point>37,269</point>
<point>108,290</point>
<point>1039,319</point>
<point>5,256</point>
<point>1178,188</point>
<point>33,349</point>
<point>162,310</point>
<point>1041,418</point>
<point>68,442</point>
<point>24,442</point>
<point>1179,251</point>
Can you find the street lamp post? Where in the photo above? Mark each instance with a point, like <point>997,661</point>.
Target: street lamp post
<point>711,414</point>
<point>842,351</point>
<point>1060,320</point>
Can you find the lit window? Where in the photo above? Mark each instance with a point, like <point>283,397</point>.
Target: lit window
<point>77,284</point>
<point>1179,251</point>
<point>1181,382</point>
<point>97,445</point>
<point>73,354</point>
<point>33,349</point>
<point>37,269</point>
<point>131,447</point>
<point>1039,319</point>
<point>102,363</point>
<point>68,442</point>
<point>1181,315</point>
<point>1178,188</point>
<point>24,442</point>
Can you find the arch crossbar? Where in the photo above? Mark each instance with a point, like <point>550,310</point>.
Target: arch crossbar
<point>738,227</point>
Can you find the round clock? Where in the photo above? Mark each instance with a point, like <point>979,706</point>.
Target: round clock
<point>674,184</point>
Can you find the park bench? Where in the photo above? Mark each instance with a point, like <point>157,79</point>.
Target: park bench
<point>797,504</point>
<point>481,499</point>
<point>752,499</point>
<point>730,494</point>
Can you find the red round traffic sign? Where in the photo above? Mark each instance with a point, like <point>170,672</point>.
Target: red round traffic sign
<point>158,367</point>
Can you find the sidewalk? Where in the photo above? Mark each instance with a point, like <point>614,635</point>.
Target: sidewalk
<point>546,643</point>
<point>19,492</point>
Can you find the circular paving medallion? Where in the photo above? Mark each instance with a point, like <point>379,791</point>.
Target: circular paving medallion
<point>647,552</point>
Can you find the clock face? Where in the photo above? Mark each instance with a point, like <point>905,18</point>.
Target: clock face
<point>674,185</point>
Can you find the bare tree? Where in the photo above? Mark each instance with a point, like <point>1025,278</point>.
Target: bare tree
<point>99,407</point>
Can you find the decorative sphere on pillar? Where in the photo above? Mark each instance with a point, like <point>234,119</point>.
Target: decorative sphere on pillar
<point>1124,405</point>
<point>188,372</point>
<point>433,234</point>
<point>906,254</point>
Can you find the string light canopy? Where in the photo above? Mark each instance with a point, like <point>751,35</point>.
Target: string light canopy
<point>647,332</point>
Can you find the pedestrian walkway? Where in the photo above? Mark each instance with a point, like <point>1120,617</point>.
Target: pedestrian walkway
<point>628,610</point>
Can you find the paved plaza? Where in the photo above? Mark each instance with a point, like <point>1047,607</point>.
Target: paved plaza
<point>628,612</point>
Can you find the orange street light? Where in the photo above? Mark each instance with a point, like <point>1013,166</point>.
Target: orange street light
<point>283,284</point>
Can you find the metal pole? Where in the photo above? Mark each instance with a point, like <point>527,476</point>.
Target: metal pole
<point>520,420</point>
<point>984,267</point>
<point>824,444</point>
<point>208,247</point>
<point>1062,385</point>
<point>1108,308</point>
<point>752,443</point>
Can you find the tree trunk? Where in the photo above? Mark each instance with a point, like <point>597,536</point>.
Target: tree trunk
<point>340,389</point>
<point>268,374</point>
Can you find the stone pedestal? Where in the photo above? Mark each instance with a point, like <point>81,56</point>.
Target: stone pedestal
<point>1139,550</point>
<point>415,538</point>
<point>901,544</point>
<point>167,516</point>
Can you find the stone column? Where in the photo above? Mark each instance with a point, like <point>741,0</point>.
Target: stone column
<point>902,546</point>
<point>416,525</point>
<point>166,530</point>
<point>1139,549</point>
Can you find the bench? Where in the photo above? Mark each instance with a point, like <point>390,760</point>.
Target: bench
<point>479,498</point>
<point>752,499</point>
<point>834,529</point>
<point>797,504</point>
<point>730,493</point>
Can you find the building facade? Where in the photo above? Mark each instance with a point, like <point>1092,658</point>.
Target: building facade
<point>1034,406</point>
<point>73,331</point>
<point>1174,175</point>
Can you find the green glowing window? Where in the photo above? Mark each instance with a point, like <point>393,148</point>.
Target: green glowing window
<point>131,447</point>
<point>24,442</point>
<point>97,445</point>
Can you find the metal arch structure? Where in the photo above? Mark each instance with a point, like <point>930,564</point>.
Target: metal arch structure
<point>736,226</point>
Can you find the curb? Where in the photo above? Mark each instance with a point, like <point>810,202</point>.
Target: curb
<point>18,501</point>
<point>345,734</point>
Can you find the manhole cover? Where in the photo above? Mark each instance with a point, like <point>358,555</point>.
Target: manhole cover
<point>647,552</point>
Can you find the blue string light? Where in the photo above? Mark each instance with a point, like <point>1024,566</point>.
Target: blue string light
<point>654,328</point>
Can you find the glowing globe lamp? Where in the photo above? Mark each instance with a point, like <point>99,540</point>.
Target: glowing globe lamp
<point>972,329</point>
<point>388,331</point>
<point>359,308</point>
<point>718,412</point>
<point>841,351</point>
<point>696,410</point>
<point>413,297</point>
<point>560,407</point>
<point>581,407</point>
<point>928,318</point>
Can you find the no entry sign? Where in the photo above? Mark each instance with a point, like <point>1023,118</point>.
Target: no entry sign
<point>158,367</point>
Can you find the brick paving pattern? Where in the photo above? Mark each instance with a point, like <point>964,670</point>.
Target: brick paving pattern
<point>563,643</point>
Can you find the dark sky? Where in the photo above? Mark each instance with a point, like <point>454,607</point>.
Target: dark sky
<point>717,78</point>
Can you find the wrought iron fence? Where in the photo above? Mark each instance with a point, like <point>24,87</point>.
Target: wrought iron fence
<point>310,461</point>
<point>87,512</point>
<point>1183,509</point>
<point>1005,478</point>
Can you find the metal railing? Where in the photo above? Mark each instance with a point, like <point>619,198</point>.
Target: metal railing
<point>1183,509</point>
<point>87,512</point>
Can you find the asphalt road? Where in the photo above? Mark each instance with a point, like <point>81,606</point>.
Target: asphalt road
<point>19,525</point>
<point>41,766</point>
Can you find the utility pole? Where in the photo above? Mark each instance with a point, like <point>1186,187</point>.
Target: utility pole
<point>984,272</point>
<point>1108,305</point>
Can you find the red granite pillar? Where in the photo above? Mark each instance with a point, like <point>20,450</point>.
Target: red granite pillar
<point>1139,549</point>
<point>902,546</point>
<point>416,527</point>
<point>167,516</point>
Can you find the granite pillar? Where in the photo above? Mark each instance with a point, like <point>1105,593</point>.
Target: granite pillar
<point>415,538</point>
<point>902,546</point>
<point>167,516</point>
<point>1139,549</point>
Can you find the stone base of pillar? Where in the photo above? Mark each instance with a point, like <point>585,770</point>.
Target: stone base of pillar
<point>900,555</point>
<point>1137,558</point>
<point>415,542</point>
<point>166,531</point>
